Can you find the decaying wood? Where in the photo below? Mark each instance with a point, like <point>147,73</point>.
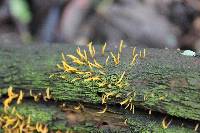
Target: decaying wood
<point>164,81</point>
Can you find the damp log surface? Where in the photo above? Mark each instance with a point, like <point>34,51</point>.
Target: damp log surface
<point>164,81</point>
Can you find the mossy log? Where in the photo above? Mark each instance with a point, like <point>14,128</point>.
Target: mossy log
<point>164,81</point>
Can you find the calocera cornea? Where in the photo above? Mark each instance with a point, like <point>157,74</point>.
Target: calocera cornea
<point>84,67</point>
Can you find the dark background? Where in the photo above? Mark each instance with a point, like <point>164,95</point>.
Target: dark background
<point>145,23</point>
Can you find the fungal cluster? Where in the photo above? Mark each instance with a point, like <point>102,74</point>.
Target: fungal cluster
<point>86,69</point>
<point>12,121</point>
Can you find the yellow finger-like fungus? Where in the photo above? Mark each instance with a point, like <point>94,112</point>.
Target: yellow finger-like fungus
<point>103,49</point>
<point>92,78</point>
<point>134,59</point>
<point>121,46</point>
<point>63,56</point>
<point>125,101</point>
<point>196,127</point>
<point>165,124</point>
<point>97,64</point>
<point>121,78</point>
<point>20,98</point>
<point>107,59</point>
<point>125,122</point>
<point>133,52</point>
<point>91,49</point>
<point>103,111</point>
<point>114,58</point>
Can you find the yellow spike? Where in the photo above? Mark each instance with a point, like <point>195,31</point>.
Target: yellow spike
<point>93,49</point>
<point>63,56</point>
<point>59,67</point>
<point>107,60</point>
<point>19,116</point>
<point>150,112</point>
<point>78,51</point>
<point>92,78</point>
<point>125,122</point>
<point>121,78</point>
<point>140,54</point>
<point>127,105</point>
<point>36,98</point>
<point>196,127</point>
<point>30,92</point>
<point>134,59</point>
<point>121,46</point>
<point>164,124</point>
<point>131,106</point>
<point>103,99</point>
<point>21,127</point>
<point>134,49</point>
<point>103,49</point>
<point>73,57</point>
<point>85,55</point>
<point>114,58</point>
<point>29,120</point>
<point>97,64</point>
<point>125,101</point>
<point>11,93</point>
<point>20,98</point>
<point>118,58</point>
<point>101,72</point>
<point>16,124</point>
<point>37,126</point>
<point>133,110</point>
<point>144,53</point>
<point>90,49</point>
<point>103,111</point>
<point>79,62</point>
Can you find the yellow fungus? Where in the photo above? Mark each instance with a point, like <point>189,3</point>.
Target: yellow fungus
<point>85,55</point>
<point>125,101</point>
<point>103,49</point>
<point>127,105</point>
<point>20,98</point>
<point>107,59</point>
<point>150,112</point>
<point>164,124</point>
<point>125,122</point>
<point>78,51</point>
<point>36,98</point>
<point>114,58</point>
<point>121,46</point>
<point>63,56</point>
<point>92,78</point>
<point>144,53</point>
<point>16,124</point>
<point>134,59</point>
<point>91,49</point>
<point>133,52</point>
<point>97,64</point>
<point>120,79</point>
<point>140,54</point>
<point>19,116</point>
<point>103,111</point>
<point>196,127</point>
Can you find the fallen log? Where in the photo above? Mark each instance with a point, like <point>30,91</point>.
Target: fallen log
<point>160,81</point>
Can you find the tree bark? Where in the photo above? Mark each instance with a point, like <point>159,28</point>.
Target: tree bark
<point>164,81</point>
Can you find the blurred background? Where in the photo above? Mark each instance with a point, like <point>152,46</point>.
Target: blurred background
<point>144,23</point>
